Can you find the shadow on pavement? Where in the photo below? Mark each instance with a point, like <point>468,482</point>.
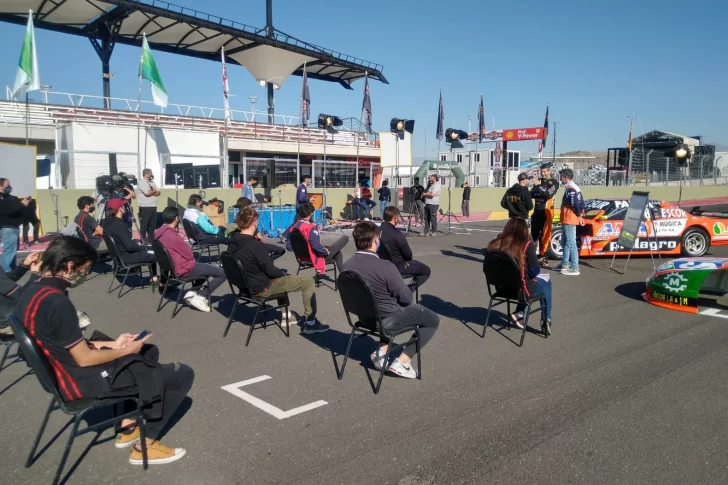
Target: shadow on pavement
<point>631,290</point>
<point>467,257</point>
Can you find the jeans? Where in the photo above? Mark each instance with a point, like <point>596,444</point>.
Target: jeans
<point>420,271</point>
<point>147,224</point>
<point>568,243</point>
<point>9,237</point>
<point>204,270</point>
<point>466,208</point>
<point>366,205</point>
<point>383,205</point>
<point>219,238</point>
<point>335,244</point>
<point>426,320</point>
<point>141,257</point>
<point>431,218</point>
<point>419,211</point>
<point>292,284</point>
<point>543,287</point>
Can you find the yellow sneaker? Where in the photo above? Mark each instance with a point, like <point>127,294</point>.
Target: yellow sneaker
<point>157,454</point>
<point>127,438</point>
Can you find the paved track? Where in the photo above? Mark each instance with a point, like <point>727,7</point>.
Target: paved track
<point>622,393</point>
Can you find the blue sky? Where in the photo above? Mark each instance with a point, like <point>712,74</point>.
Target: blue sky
<point>595,63</point>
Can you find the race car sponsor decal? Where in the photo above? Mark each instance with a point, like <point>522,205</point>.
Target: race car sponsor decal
<point>674,282</point>
<point>683,301</point>
<point>719,228</point>
<point>669,227</point>
<point>614,228</point>
<point>672,212</point>
<point>699,264</point>
<point>598,204</point>
<point>645,245</point>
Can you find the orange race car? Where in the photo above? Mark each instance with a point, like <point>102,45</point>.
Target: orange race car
<point>675,230</point>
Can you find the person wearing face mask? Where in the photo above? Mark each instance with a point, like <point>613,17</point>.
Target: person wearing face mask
<point>11,218</point>
<point>302,191</point>
<point>129,250</point>
<point>100,367</point>
<point>92,231</point>
<point>393,299</point>
<point>147,193</point>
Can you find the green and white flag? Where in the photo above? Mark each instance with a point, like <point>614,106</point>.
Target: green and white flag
<point>27,78</point>
<point>148,70</point>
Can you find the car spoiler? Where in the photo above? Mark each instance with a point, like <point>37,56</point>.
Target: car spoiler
<point>697,212</point>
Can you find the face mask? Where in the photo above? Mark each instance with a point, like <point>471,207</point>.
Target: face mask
<point>8,189</point>
<point>91,210</point>
<point>78,280</point>
<point>379,243</point>
<point>151,177</point>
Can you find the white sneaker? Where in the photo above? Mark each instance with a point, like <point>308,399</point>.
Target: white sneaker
<point>292,318</point>
<point>378,358</point>
<point>402,370</point>
<point>188,295</point>
<point>200,303</point>
<point>571,272</point>
<point>515,320</point>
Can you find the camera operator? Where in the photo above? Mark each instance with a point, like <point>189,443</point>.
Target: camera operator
<point>148,192</point>
<point>11,217</point>
<point>432,203</point>
<point>127,187</point>
<point>417,202</point>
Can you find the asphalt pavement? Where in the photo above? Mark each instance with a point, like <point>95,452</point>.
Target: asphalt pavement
<point>621,393</point>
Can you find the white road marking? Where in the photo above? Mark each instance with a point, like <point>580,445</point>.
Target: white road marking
<point>713,312</point>
<point>235,390</point>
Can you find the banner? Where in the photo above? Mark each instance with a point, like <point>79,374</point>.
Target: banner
<point>518,134</point>
<point>633,219</point>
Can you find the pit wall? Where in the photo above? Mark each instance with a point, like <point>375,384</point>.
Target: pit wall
<point>484,202</point>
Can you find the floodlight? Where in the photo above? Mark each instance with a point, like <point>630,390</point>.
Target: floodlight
<point>453,137</point>
<point>681,153</point>
<point>399,126</point>
<point>328,122</point>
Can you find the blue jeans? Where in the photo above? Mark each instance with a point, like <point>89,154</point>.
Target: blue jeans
<point>568,243</point>
<point>9,237</point>
<point>545,288</point>
<point>383,205</point>
<point>366,205</point>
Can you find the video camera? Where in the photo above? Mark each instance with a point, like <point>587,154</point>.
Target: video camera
<point>111,185</point>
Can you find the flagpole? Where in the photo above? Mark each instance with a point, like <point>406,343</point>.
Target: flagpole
<point>224,182</point>
<point>27,119</point>
<point>438,115</point>
<point>300,133</point>
<point>139,109</point>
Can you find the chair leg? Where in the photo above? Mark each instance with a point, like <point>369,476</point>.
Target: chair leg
<point>336,279</point>
<point>384,367</point>
<point>288,322</point>
<point>5,354</point>
<point>419,354</point>
<point>487,318</point>
<point>123,282</point>
<point>69,444</point>
<point>179,297</point>
<point>252,326</point>
<point>525,324</point>
<point>114,272</point>
<point>161,298</point>
<point>230,320</point>
<point>142,438</point>
<point>346,354</point>
<point>31,456</point>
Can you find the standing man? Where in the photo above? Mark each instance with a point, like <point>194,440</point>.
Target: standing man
<point>249,190</point>
<point>432,203</point>
<point>466,199</point>
<point>385,197</point>
<point>302,191</point>
<point>147,192</point>
<point>517,199</point>
<point>543,192</point>
<point>11,217</point>
<point>417,203</point>
<point>572,213</point>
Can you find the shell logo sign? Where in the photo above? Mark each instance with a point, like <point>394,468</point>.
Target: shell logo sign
<point>719,228</point>
<point>519,134</point>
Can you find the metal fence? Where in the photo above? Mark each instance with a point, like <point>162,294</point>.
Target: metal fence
<point>651,167</point>
<point>78,169</point>
<point>337,175</point>
<point>285,171</point>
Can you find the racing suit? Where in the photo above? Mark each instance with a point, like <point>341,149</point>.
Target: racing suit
<point>543,213</point>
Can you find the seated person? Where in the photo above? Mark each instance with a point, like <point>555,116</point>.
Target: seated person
<point>392,297</point>
<point>267,280</point>
<point>364,201</point>
<point>207,233</point>
<point>515,240</point>
<point>322,248</point>
<point>49,317</point>
<point>400,251</point>
<point>10,290</point>
<point>130,251</point>
<point>92,231</point>
<point>184,260</point>
<point>274,250</point>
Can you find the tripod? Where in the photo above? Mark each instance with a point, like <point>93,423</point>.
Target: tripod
<point>413,207</point>
<point>449,214</point>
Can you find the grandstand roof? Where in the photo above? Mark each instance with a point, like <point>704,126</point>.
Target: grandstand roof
<point>268,56</point>
<point>664,137</point>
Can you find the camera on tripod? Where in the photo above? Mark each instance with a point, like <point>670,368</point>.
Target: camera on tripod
<point>109,186</point>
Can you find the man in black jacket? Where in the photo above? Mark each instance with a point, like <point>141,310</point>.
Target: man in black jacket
<point>399,250</point>
<point>466,199</point>
<point>11,217</point>
<point>264,278</point>
<point>517,200</point>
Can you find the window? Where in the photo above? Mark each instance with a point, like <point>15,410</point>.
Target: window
<point>443,158</point>
<point>477,157</point>
<point>477,180</point>
<point>460,158</point>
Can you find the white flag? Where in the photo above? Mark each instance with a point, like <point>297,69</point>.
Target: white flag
<point>225,88</point>
<point>27,79</point>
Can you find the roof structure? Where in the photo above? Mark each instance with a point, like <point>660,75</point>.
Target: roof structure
<point>267,53</point>
<point>664,138</point>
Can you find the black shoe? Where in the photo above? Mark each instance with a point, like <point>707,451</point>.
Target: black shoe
<point>546,327</point>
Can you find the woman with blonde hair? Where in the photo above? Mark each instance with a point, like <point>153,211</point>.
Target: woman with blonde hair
<point>515,241</point>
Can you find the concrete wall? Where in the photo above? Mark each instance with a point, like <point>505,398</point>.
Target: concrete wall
<point>481,200</point>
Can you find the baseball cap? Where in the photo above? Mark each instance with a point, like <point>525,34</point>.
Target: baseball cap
<point>115,204</point>
<point>523,176</point>
<point>242,203</point>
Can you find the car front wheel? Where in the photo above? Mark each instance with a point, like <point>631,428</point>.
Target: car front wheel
<point>556,248</point>
<point>695,242</point>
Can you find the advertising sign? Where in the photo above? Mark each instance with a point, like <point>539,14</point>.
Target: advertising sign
<point>518,134</point>
<point>633,219</point>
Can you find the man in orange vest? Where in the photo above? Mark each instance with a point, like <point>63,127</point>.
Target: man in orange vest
<point>543,192</point>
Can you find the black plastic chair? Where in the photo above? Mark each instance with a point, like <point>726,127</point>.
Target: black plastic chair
<point>357,298</point>
<point>78,409</point>
<point>194,240</point>
<point>504,274</point>
<point>384,253</point>
<point>7,341</point>
<point>237,277</point>
<point>120,267</point>
<point>300,249</point>
<point>166,266</point>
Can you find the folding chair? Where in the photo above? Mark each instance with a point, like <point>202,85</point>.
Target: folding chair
<point>237,277</point>
<point>194,240</point>
<point>166,266</point>
<point>300,249</point>
<point>384,253</point>
<point>77,409</point>
<point>7,341</point>
<point>120,267</point>
<point>357,298</point>
<point>503,273</point>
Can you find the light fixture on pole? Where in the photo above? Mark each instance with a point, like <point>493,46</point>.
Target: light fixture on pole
<point>328,123</point>
<point>398,127</point>
<point>682,154</point>
<point>452,138</point>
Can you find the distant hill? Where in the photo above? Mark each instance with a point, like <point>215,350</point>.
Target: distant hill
<point>720,148</point>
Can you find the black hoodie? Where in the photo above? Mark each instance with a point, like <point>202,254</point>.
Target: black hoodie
<point>517,201</point>
<point>256,261</point>
<point>11,211</point>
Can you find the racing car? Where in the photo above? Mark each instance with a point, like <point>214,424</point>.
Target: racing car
<point>671,229</point>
